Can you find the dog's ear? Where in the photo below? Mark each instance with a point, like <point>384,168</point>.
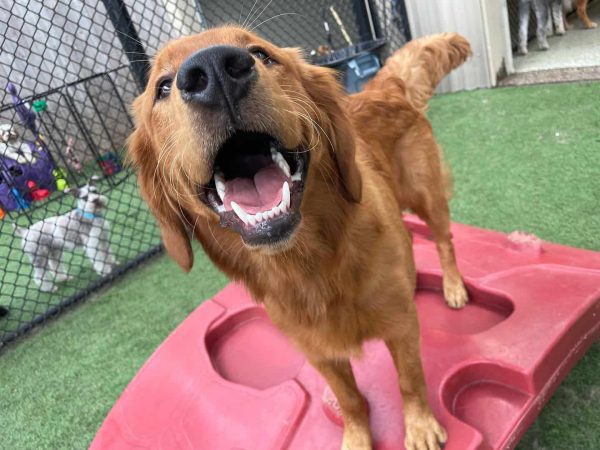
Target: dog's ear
<point>322,86</point>
<point>170,218</point>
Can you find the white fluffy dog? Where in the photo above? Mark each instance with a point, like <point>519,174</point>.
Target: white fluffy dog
<point>84,227</point>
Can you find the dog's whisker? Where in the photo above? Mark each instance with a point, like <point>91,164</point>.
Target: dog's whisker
<point>161,154</point>
<point>298,97</point>
<point>259,14</point>
<point>275,17</point>
<point>311,123</point>
<point>249,14</point>
<point>137,40</point>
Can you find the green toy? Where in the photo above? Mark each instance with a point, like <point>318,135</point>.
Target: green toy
<point>61,179</point>
<point>40,105</point>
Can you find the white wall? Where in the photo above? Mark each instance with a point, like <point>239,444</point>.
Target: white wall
<point>497,31</point>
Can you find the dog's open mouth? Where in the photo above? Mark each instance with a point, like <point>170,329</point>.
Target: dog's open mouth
<point>257,187</point>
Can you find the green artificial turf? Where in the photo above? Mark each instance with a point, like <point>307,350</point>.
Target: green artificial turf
<point>523,158</point>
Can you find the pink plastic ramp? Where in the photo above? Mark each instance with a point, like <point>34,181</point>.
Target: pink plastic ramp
<point>227,379</point>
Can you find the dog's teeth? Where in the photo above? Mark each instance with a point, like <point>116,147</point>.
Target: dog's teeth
<point>270,214</point>
<point>276,211</point>
<point>241,213</point>
<point>285,201</point>
<point>283,165</point>
<point>280,161</point>
<point>259,217</point>
<point>220,189</point>
<point>298,175</point>
<point>251,219</point>
<point>220,184</point>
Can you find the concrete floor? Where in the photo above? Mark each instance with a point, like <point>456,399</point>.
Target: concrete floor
<point>579,47</point>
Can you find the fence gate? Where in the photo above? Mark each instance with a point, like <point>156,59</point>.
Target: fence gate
<point>69,69</point>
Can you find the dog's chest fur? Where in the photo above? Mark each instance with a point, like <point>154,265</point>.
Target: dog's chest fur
<point>329,293</point>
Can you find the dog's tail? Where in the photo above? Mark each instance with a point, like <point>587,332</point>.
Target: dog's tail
<point>422,63</point>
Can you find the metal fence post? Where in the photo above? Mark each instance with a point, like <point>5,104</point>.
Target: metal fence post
<point>135,51</point>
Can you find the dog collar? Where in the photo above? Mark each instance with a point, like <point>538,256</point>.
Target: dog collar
<point>87,215</point>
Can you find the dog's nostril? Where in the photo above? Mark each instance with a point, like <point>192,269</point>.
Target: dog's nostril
<point>239,67</point>
<point>194,80</point>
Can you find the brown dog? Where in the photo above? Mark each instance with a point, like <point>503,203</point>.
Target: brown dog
<point>297,190</point>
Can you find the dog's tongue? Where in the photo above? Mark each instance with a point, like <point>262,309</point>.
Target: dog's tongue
<point>258,194</point>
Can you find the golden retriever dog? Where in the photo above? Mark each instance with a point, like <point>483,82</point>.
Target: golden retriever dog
<point>297,190</point>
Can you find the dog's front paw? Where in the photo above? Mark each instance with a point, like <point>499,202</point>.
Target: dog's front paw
<point>543,45</point>
<point>522,50</point>
<point>357,438</point>
<point>455,293</point>
<point>592,25</point>
<point>424,432</point>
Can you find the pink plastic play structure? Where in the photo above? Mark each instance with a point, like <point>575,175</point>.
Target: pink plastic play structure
<point>226,379</point>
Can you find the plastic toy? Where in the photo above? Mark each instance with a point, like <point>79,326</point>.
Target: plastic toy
<point>19,201</point>
<point>40,106</point>
<point>26,115</point>
<point>226,378</point>
<point>36,193</point>
<point>61,179</point>
<point>110,164</point>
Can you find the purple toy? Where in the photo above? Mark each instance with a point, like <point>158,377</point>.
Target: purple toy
<point>20,164</point>
<point>26,115</point>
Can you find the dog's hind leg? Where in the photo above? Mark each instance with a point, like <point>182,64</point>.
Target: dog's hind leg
<point>540,8</point>
<point>55,261</point>
<point>424,187</point>
<point>583,16</point>
<point>433,209</point>
<point>524,7</point>
<point>99,254</point>
<point>43,275</point>
<point>557,16</point>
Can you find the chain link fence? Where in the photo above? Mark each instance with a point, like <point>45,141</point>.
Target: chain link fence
<point>71,219</point>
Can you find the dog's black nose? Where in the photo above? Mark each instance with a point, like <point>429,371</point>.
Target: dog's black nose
<point>218,76</point>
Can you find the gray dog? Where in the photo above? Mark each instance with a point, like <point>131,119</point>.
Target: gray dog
<point>84,227</point>
<point>546,12</point>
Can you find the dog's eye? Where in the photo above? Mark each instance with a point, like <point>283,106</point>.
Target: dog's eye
<point>263,56</point>
<point>164,88</point>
